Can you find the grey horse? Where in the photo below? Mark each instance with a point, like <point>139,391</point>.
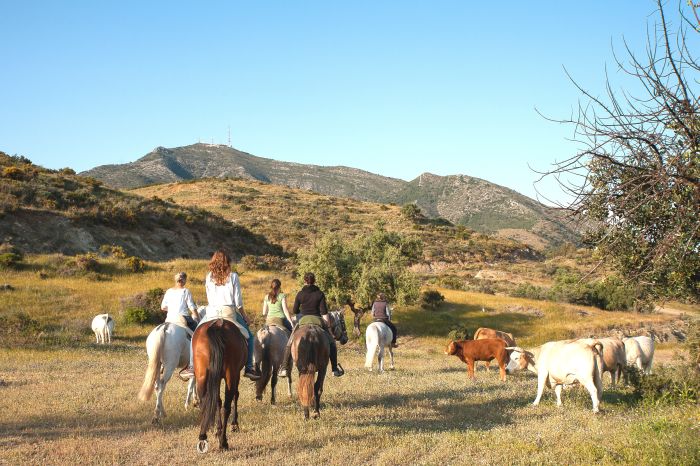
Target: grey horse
<point>269,349</point>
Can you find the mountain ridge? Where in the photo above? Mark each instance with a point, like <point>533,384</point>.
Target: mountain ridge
<point>473,202</point>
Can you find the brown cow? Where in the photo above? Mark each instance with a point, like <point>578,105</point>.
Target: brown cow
<point>484,332</point>
<point>480,350</point>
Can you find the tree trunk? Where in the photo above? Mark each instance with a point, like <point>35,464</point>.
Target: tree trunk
<point>358,312</point>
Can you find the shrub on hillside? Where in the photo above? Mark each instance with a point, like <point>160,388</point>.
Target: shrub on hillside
<point>87,263</point>
<point>431,299</point>
<point>111,250</point>
<point>529,291</point>
<point>10,256</point>
<point>135,264</point>
<point>143,308</point>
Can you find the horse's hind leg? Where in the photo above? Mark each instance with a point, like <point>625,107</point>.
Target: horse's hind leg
<point>225,413</point>
<point>273,384</point>
<point>234,424</point>
<point>391,356</point>
<point>318,390</point>
<point>380,358</point>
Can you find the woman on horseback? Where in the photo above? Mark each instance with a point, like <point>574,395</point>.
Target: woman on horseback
<point>381,312</point>
<point>178,302</point>
<point>311,301</point>
<point>275,306</point>
<point>224,295</point>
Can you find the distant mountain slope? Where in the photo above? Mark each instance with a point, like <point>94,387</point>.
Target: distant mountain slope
<point>476,203</point>
<point>47,211</point>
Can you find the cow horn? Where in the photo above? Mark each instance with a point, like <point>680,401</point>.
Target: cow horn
<point>515,348</point>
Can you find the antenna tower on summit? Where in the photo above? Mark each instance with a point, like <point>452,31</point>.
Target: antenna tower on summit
<point>229,135</point>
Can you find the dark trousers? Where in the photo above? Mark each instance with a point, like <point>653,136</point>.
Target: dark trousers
<point>391,326</point>
<point>191,323</point>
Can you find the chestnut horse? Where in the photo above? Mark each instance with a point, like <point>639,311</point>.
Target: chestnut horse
<point>220,352</point>
<point>311,353</point>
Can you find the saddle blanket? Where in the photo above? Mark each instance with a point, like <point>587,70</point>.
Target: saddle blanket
<point>180,322</point>
<point>225,313</point>
<point>311,320</point>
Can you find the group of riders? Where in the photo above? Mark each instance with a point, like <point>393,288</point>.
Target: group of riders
<point>225,300</point>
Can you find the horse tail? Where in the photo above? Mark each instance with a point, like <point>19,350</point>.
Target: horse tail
<point>108,332</point>
<point>265,364</point>
<point>212,383</point>
<point>305,388</point>
<point>154,366</point>
<point>371,346</point>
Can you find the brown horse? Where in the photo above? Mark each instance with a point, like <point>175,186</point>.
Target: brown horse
<point>311,353</point>
<point>220,352</point>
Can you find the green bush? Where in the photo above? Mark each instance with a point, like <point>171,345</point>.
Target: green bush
<point>111,250</point>
<point>9,260</point>
<point>431,299</point>
<point>459,332</point>
<point>136,315</point>
<point>674,385</point>
<point>528,291</point>
<point>143,307</point>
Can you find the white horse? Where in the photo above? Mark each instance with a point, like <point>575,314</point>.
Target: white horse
<point>103,326</point>
<point>377,336</point>
<point>168,348</point>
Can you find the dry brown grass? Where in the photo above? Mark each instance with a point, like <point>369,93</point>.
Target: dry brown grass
<point>77,403</point>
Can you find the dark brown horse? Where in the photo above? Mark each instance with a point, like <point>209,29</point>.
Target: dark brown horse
<point>311,353</point>
<point>220,352</point>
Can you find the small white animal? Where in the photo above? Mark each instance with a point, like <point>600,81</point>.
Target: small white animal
<point>103,326</point>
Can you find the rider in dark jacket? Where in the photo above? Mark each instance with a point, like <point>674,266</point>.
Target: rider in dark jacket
<point>381,312</point>
<point>311,301</point>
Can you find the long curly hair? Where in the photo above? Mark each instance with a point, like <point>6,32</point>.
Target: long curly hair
<point>220,267</point>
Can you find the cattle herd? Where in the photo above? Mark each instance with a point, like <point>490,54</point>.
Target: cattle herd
<point>558,364</point>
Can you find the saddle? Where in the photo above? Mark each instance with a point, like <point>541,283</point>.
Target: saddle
<point>180,322</point>
<point>312,320</point>
<point>226,313</point>
<point>276,322</point>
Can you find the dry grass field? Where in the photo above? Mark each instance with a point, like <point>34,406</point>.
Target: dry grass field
<point>69,401</point>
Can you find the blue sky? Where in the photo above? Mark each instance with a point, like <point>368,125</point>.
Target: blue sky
<point>397,88</point>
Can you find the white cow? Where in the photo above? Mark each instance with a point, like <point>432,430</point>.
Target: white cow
<point>103,326</point>
<point>639,352</point>
<point>560,363</point>
<point>614,360</point>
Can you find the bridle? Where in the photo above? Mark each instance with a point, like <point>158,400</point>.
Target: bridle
<point>338,325</point>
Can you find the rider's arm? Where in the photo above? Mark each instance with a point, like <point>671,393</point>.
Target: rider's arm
<point>237,295</point>
<point>163,305</point>
<point>388,311</point>
<point>284,308</point>
<point>297,304</point>
<point>191,305</point>
<point>264,311</point>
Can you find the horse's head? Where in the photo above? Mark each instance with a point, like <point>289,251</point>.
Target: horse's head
<point>338,326</point>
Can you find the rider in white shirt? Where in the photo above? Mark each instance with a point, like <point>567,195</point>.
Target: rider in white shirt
<point>223,288</point>
<point>178,302</point>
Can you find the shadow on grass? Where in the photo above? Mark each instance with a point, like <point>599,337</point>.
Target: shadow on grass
<point>451,409</point>
<point>438,323</point>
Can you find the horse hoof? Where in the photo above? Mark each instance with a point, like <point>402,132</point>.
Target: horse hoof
<point>155,421</point>
<point>235,428</point>
<point>258,398</point>
<point>316,415</point>
<point>223,446</point>
<point>202,446</point>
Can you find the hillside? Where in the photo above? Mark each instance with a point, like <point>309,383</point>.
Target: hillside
<point>476,203</point>
<point>49,211</point>
<point>294,218</point>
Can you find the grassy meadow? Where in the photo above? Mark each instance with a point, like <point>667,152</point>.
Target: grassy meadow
<point>65,400</point>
